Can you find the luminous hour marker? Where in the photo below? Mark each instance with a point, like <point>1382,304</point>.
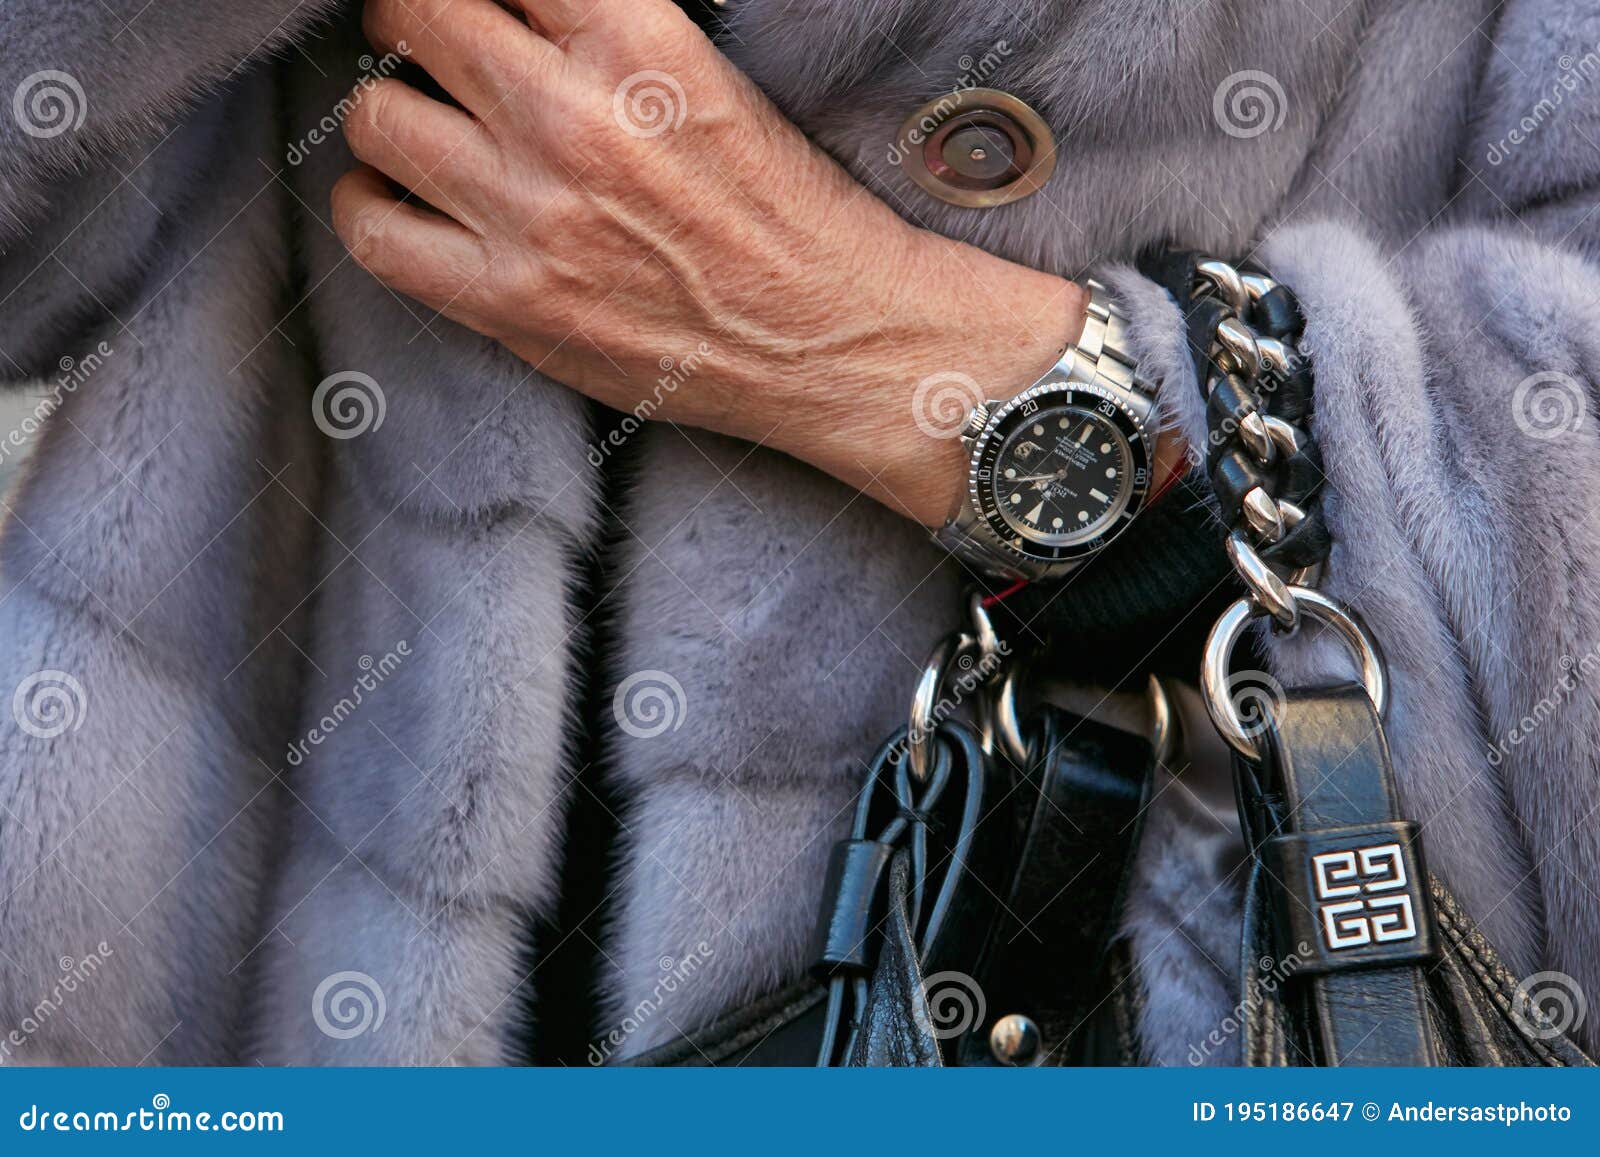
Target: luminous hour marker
<point>1083,434</point>
<point>1011,472</point>
<point>1038,431</point>
<point>1111,471</point>
<point>1064,423</point>
<point>1035,514</point>
<point>1083,516</point>
<point>1105,447</point>
<point>1095,494</point>
<point>1016,498</point>
<point>1056,523</point>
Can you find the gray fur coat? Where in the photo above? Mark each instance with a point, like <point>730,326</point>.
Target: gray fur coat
<point>285,757</point>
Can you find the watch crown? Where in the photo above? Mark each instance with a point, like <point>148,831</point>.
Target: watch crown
<point>976,420</point>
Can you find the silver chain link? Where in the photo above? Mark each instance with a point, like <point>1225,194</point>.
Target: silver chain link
<point>1244,355</point>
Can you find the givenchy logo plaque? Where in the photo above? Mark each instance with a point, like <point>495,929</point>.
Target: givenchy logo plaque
<point>1362,896</point>
<point>1357,893</point>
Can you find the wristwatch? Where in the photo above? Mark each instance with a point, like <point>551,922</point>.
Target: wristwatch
<point>1057,472</point>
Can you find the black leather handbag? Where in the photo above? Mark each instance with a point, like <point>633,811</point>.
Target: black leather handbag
<point>941,940</point>
<point>945,937</point>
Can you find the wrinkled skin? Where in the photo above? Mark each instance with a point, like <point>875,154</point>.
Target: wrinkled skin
<point>608,192</point>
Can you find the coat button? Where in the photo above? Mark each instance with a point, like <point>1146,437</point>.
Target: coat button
<point>976,147</point>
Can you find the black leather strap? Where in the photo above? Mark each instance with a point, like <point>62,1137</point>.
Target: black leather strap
<point>1349,888</point>
<point>1086,787</point>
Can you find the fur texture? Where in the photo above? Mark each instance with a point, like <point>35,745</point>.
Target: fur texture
<point>155,555</point>
<point>224,583</point>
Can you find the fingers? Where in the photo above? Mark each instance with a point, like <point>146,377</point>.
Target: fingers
<point>476,49</point>
<point>438,152</point>
<point>557,19</point>
<point>418,253</point>
<point>608,20</point>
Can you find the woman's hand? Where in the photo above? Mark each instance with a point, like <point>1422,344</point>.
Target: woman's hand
<point>612,193</point>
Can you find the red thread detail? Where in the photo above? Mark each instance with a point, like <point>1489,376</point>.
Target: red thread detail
<point>991,600</point>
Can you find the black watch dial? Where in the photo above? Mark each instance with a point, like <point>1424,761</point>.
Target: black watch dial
<point>1060,476</point>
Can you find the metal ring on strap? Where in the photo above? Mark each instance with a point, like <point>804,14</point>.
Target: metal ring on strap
<point>1007,722</point>
<point>1215,669</point>
<point>926,701</point>
<point>1166,726</point>
<point>983,626</point>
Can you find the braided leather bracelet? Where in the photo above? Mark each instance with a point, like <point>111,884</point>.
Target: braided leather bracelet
<point>1265,470</point>
<point>1264,467</point>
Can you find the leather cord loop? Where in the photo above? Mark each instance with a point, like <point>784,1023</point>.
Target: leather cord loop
<point>891,885</point>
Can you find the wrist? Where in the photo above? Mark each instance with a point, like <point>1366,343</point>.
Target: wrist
<point>976,327</point>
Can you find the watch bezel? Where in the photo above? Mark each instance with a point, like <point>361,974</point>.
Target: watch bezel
<point>986,447</point>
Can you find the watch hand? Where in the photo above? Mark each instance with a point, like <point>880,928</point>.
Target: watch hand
<point>1055,476</point>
